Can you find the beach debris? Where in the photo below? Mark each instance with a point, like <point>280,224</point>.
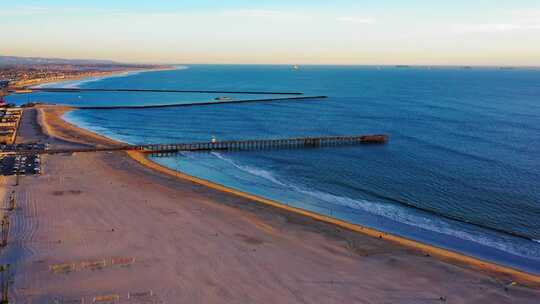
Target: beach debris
<point>63,268</point>
<point>147,296</point>
<point>122,261</point>
<point>141,295</point>
<point>112,298</point>
<point>97,264</point>
<point>511,284</point>
<point>94,265</point>
<point>67,301</point>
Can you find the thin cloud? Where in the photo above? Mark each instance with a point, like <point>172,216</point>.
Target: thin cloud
<point>23,11</point>
<point>526,15</point>
<point>18,11</point>
<point>355,20</point>
<point>260,13</point>
<point>497,28</point>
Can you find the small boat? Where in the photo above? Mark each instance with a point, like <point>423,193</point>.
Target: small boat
<point>222,98</point>
<point>296,67</point>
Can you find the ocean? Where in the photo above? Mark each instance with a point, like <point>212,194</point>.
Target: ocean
<point>461,170</point>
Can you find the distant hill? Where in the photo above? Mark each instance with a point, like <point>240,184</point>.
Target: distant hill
<point>12,60</point>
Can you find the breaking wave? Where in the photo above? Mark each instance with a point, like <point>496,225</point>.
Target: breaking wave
<point>398,214</point>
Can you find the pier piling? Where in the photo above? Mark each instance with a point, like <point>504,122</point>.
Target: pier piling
<point>287,143</point>
<point>238,145</point>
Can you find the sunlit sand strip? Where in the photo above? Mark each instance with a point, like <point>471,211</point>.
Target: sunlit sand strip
<point>432,250</point>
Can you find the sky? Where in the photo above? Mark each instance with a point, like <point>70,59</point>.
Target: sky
<point>416,32</point>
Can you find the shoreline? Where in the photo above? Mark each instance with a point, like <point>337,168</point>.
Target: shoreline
<point>57,112</point>
<point>427,248</point>
<point>102,226</point>
<point>97,74</point>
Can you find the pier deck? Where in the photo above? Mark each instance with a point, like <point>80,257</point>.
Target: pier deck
<point>236,145</point>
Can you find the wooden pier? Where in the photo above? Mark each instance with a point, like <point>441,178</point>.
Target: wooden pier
<point>235,145</point>
<point>264,144</point>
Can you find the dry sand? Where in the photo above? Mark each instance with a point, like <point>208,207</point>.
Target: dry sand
<point>100,227</point>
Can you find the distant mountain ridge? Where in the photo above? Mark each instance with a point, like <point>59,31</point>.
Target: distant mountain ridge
<point>14,60</point>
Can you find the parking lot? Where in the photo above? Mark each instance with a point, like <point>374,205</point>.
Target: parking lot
<point>20,164</point>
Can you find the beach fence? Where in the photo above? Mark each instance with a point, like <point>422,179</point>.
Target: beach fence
<point>5,272</point>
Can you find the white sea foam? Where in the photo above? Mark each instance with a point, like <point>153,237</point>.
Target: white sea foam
<point>399,214</point>
<point>252,170</point>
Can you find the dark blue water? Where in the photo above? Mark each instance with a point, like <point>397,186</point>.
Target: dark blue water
<point>462,169</point>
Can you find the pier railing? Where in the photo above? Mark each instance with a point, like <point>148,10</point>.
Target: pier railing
<point>263,144</point>
<point>234,145</point>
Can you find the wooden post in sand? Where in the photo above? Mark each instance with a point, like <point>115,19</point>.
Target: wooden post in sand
<point>5,280</point>
<point>12,203</point>
<point>5,230</point>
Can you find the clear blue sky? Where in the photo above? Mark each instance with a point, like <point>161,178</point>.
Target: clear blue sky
<point>476,32</point>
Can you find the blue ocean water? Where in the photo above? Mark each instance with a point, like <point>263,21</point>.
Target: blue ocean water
<point>462,169</point>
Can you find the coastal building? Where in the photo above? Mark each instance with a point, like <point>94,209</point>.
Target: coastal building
<point>9,123</point>
<point>7,136</point>
<point>12,111</point>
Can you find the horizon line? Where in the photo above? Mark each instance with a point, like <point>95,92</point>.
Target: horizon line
<point>284,64</point>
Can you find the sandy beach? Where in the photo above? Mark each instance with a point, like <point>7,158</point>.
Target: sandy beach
<point>102,228</point>
<point>87,75</point>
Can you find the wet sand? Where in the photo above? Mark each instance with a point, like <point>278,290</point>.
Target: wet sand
<point>100,227</point>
